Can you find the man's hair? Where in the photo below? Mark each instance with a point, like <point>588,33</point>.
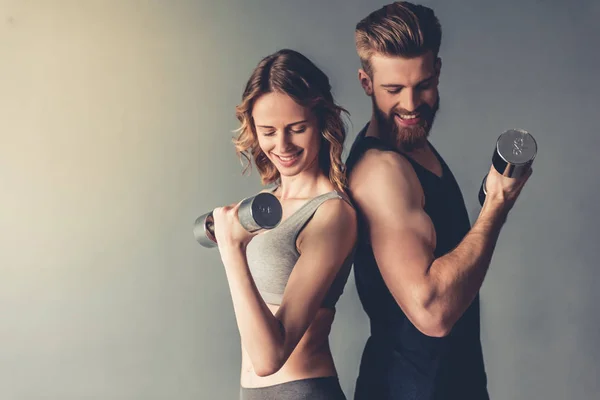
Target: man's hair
<point>399,29</point>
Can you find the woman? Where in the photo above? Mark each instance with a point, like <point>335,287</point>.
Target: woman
<point>285,282</point>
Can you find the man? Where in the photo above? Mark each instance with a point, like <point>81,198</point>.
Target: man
<point>419,264</point>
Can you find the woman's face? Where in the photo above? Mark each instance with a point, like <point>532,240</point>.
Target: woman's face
<point>288,133</point>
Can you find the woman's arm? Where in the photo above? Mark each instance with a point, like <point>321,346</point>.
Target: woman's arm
<point>269,339</point>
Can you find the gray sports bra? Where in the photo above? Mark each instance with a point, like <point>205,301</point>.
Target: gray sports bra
<point>272,255</point>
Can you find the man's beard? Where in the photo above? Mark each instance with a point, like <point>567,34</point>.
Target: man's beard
<point>406,138</point>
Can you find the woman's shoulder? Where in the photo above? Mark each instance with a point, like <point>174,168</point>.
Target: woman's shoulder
<point>334,221</point>
<point>336,209</point>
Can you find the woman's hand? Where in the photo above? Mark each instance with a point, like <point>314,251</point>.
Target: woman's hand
<point>229,232</point>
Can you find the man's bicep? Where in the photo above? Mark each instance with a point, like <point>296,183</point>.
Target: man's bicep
<point>404,255</point>
<point>403,247</point>
<point>401,233</point>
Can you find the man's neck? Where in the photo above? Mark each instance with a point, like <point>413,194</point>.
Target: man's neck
<point>373,128</point>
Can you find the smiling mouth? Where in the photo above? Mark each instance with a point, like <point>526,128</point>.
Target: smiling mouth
<point>408,117</point>
<point>288,158</point>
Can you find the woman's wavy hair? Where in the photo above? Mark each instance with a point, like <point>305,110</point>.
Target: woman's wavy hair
<point>291,73</point>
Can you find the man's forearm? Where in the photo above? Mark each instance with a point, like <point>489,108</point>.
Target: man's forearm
<point>458,275</point>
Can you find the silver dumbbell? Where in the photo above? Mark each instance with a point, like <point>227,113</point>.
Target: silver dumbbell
<point>262,211</point>
<point>514,153</point>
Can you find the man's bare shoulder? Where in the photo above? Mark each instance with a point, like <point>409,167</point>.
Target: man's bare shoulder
<point>387,174</point>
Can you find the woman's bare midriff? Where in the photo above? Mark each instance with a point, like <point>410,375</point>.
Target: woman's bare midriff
<point>310,359</point>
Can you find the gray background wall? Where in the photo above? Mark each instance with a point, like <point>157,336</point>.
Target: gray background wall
<point>116,119</point>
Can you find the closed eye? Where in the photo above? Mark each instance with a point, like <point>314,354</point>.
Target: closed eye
<point>299,130</point>
<point>424,85</point>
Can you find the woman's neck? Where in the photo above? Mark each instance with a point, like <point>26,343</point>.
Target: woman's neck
<point>304,185</point>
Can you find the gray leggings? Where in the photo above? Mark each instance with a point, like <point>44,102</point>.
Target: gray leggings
<point>326,388</point>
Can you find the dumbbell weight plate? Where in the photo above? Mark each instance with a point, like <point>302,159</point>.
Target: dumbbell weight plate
<point>514,153</point>
<point>204,230</point>
<point>262,211</point>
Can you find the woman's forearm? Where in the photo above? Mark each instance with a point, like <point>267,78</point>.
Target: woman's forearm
<point>261,333</point>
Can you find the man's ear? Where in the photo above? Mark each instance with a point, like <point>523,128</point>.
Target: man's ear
<point>365,82</point>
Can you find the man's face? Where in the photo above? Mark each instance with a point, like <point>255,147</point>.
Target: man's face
<point>405,97</point>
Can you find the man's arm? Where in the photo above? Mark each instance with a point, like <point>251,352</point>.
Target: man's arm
<point>433,293</point>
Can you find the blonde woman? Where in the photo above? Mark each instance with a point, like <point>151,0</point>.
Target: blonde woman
<point>285,282</point>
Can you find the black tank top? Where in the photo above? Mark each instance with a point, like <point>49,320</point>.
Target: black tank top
<point>400,362</point>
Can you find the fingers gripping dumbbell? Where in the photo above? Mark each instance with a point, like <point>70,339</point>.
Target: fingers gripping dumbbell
<point>262,211</point>
<point>514,153</point>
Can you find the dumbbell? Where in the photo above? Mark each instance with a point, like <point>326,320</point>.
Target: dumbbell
<point>262,211</point>
<point>514,153</point>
